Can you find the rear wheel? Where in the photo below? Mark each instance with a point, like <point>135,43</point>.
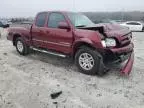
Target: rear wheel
<point>89,61</point>
<point>21,47</point>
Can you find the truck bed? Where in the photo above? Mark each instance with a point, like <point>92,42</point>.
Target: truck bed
<point>28,26</point>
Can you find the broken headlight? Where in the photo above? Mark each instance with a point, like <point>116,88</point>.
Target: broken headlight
<point>109,42</point>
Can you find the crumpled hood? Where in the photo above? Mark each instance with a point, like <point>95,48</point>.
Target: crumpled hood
<point>110,30</point>
<point>113,30</point>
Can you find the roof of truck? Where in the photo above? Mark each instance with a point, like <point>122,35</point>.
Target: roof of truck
<point>57,11</point>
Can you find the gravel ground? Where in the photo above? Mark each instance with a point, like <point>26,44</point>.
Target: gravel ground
<point>29,81</point>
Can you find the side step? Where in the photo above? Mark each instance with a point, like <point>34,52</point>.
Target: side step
<point>49,52</point>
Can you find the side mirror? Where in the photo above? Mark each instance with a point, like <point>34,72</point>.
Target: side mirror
<point>63,25</point>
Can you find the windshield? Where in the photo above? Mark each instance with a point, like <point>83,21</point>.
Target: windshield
<point>79,20</point>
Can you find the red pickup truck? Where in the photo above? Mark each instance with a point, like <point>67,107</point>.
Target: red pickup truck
<point>74,35</point>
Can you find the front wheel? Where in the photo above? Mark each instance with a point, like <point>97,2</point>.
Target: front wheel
<point>21,47</point>
<point>89,61</point>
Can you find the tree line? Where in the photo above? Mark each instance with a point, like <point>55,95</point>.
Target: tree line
<point>98,16</point>
<point>124,16</point>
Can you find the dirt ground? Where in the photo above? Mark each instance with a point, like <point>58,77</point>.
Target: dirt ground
<point>29,81</point>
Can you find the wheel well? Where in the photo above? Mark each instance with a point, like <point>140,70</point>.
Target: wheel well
<point>15,37</point>
<point>82,44</point>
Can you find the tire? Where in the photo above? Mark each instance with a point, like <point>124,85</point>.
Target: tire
<point>143,29</point>
<point>96,66</point>
<point>21,47</point>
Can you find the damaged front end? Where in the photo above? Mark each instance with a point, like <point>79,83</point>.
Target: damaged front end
<point>117,47</point>
<point>117,56</point>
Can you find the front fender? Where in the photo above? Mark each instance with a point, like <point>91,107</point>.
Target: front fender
<point>83,40</point>
<point>86,41</point>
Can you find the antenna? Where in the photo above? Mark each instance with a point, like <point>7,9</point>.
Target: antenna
<point>74,5</point>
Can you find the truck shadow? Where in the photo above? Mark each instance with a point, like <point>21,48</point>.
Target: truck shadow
<point>66,63</point>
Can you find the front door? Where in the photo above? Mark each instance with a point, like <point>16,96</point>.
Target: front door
<point>56,38</point>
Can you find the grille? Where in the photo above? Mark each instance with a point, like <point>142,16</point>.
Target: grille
<point>126,39</point>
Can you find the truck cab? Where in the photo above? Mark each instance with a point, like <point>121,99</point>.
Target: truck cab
<point>52,31</point>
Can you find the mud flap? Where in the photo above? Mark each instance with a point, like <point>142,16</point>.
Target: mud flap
<point>128,67</point>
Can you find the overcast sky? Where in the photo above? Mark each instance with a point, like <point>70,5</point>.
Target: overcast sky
<point>27,8</point>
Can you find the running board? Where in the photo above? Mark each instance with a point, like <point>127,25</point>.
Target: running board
<point>48,52</point>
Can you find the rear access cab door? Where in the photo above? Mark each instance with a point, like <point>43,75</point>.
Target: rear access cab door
<point>50,36</point>
<point>38,30</point>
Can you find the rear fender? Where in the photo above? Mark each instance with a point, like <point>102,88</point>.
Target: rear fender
<point>24,38</point>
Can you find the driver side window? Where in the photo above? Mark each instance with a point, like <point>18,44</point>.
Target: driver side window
<point>55,19</point>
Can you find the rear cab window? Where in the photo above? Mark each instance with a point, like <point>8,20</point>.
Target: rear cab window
<point>41,19</point>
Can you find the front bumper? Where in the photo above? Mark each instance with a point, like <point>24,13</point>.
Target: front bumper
<point>120,55</point>
<point>128,67</point>
<point>130,57</point>
<point>125,49</point>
